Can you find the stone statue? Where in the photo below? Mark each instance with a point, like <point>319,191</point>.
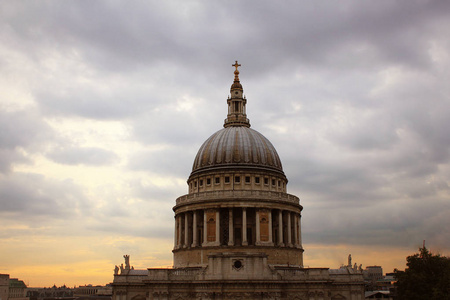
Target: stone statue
<point>116,270</point>
<point>355,267</point>
<point>360,268</point>
<point>127,261</point>
<point>121,268</point>
<point>349,260</point>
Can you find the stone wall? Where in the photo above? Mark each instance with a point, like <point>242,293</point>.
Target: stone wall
<point>276,255</point>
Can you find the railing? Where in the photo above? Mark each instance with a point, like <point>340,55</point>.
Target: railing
<point>184,273</point>
<point>304,274</point>
<point>237,194</point>
<point>289,273</point>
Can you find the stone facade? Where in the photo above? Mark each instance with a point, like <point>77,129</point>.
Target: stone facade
<point>17,289</point>
<point>239,276</point>
<point>237,231</point>
<point>4,286</point>
<point>54,292</point>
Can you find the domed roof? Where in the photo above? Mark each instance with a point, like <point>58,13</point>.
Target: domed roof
<point>237,146</point>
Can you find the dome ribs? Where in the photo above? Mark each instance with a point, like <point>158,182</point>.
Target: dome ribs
<point>237,146</point>
<point>255,155</point>
<point>228,144</point>
<point>247,147</point>
<point>205,153</point>
<point>219,153</point>
<point>236,150</point>
<point>214,148</point>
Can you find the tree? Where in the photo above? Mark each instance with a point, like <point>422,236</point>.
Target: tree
<point>427,276</point>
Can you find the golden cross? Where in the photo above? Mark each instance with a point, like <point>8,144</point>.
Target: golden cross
<point>236,65</point>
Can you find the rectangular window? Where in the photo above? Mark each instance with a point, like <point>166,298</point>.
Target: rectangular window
<point>208,181</point>
<point>247,179</point>
<point>273,182</point>
<point>266,181</point>
<point>257,180</point>
<point>195,183</point>
<point>217,180</point>
<point>227,179</point>
<point>201,182</point>
<point>279,183</point>
<point>237,179</point>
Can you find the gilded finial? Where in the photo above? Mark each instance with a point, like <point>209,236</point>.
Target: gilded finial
<point>236,65</point>
<point>236,72</point>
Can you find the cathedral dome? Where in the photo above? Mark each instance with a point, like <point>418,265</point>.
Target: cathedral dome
<point>237,146</point>
<point>237,200</point>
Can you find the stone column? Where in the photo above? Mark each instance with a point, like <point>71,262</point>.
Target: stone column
<point>244,227</point>
<point>175,241</point>
<point>270,226</point>
<point>230,227</point>
<point>258,228</point>
<point>179,231</point>
<point>217,227</point>
<point>300,231</point>
<point>295,231</point>
<point>280,228</point>
<point>205,229</point>
<point>186,230</point>
<point>194,229</point>
<point>289,240</point>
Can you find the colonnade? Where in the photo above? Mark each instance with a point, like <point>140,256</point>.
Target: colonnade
<point>238,226</point>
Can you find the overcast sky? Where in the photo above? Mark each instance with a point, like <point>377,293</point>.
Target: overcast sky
<point>104,104</point>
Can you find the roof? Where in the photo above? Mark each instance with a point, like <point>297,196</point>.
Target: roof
<point>16,283</point>
<point>371,293</point>
<point>237,146</point>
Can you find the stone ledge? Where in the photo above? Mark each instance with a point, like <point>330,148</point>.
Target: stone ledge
<point>237,195</point>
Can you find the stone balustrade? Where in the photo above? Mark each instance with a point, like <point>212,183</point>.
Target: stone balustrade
<point>237,195</point>
<point>284,273</point>
<point>292,273</point>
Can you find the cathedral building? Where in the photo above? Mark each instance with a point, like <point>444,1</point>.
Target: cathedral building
<point>237,231</point>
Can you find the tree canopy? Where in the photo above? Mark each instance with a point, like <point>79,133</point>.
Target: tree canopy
<point>427,276</point>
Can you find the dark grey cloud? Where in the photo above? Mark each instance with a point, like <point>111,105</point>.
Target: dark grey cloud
<point>402,222</point>
<point>10,156</point>
<point>21,130</point>
<point>150,216</point>
<point>177,45</point>
<point>172,125</point>
<point>32,197</point>
<point>354,96</point>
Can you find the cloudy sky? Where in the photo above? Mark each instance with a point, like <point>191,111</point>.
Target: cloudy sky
<point>104,104</point>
